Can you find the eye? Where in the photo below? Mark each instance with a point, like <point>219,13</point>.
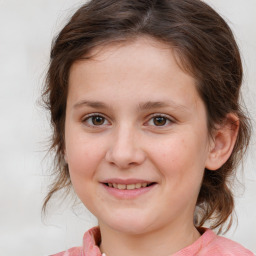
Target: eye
<point>95,120</point>
<point>159,120</point>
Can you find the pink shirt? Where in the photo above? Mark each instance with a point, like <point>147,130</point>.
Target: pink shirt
<point>209,244</point>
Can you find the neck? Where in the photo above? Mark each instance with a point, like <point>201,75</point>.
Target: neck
<point>162,242</point>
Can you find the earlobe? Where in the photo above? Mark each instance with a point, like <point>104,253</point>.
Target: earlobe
<point>223,142</point>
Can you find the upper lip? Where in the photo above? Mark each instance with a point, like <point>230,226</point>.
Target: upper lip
<point>126,181</point>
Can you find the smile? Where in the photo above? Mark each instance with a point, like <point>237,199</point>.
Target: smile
<point>129,186</point>
<point>128,189</point>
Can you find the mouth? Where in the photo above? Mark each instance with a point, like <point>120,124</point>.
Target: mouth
<point>128,189</point>
<point>133,186</point>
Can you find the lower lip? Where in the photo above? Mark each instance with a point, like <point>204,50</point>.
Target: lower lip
<point>128,193</point>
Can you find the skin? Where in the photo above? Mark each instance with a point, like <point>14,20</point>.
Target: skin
<point>129,143</point>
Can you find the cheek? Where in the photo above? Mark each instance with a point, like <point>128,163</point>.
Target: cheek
<point>83,160</point>
<point>180,156</point>
<point>83,156</point>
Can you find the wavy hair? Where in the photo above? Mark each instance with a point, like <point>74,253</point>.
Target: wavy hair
<point>205,47</point>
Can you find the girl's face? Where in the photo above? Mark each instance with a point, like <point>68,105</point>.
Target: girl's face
<point>135,119</point>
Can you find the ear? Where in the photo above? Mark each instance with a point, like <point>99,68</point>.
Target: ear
<point>223,142</point>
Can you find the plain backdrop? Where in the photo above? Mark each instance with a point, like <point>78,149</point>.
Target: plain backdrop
<point>26,30</point>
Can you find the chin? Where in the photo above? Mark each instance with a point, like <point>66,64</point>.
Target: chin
<point>132,225</point>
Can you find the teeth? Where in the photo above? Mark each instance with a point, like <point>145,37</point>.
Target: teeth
<point>144,185</point>
<point>121,186</point>
<point>129,186</point>
<point>138,185</point>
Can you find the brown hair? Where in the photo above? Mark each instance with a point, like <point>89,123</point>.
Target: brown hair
<point>206,49</point>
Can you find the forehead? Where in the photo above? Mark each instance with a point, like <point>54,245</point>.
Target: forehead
<point>132,43</point>
<point>140,48</point>
<point>143,65</point>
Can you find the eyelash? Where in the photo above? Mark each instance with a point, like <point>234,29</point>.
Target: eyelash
<point>86,119</point>
<point>90,116</point>
<point>166,117</point>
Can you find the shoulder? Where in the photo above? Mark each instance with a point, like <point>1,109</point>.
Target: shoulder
<point>224,247</point>
<point>75,251</point>
<point>90,246</point>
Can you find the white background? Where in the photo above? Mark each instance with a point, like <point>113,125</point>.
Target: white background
<point>26,30</point>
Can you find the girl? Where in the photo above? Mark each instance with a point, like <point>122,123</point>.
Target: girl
<point>147,125</point>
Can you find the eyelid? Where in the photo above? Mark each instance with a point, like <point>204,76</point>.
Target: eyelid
<point>86,117</point>
<point>169,118</point>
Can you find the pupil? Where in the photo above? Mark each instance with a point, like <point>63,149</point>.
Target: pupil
<point>159,121</point>
<point>97,120</point>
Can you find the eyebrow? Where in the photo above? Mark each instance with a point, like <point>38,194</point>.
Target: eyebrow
<point>153,104</point>
<point>142,106</point>
<point>93,104</point>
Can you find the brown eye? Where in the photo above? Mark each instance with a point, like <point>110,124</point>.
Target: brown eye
<point>159,121</point>
<point>97,120</point>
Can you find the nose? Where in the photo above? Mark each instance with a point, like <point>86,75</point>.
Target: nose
<point>125,150</point>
